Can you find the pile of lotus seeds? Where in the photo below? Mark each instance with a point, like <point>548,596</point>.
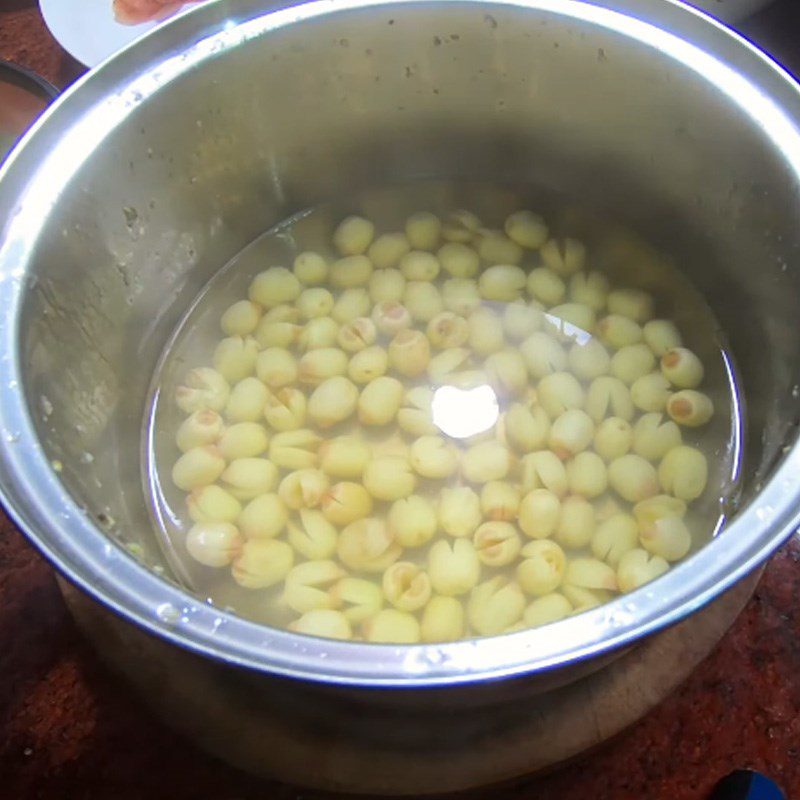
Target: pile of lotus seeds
<point>315,472</point>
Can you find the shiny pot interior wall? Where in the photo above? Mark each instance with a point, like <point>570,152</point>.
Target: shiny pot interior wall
<point>367,97</point>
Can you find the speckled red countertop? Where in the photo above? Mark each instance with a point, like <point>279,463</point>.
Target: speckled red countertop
<point>70,730</point>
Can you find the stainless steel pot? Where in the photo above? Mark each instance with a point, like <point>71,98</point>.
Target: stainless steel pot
<point>161,165</point>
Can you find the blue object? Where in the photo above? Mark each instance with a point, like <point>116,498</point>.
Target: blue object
<point>744,784</point>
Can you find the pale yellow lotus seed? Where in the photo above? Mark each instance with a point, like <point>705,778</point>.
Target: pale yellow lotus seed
<point>380,400</point>
<point>565,256</point>
<point>442,620</point>
<point>576,524</point>
<point>213,504</point>
<point>310,268</point>
<point>632,478</point>
<point>247,401</point>
<point>274,286</point>
<point>412,521</point>
<point>387,286</point>
<point>368,364</point>
<point>198,467</point>
<point>494,605</point>
<point>344,456</point>
<point>497,543</point>
<point>447,330</point>
<point>571,433</point>
<point>318,333</point>
<point>667,537</point>
<point>543,355</point>
<point>243,440</point>
<point>682,368</point>
<point>637,567</point>
<point>333,401</point>
<point>423,300</point>
<point>526,428</point>
<point>500,501</point>
<point>636,304</point>
<point>690,408</point>
<point>423,230</point>
<point>618,331</point>
<point>409,353</point>
<point>419,266</point>
<point>684,472</point>
<point>654,436</point>
<point>262,563</point>
<point>494,248</point>
<point>539,513</point>
<point>458,260</point>
<point>561,391</point>
<point>613,438</point>
<point>240,319</point>
<point>521,319</point>
<point>367,545</point>
<point>312,535</point>
<point>235,357</point>
<point>543,469</point>
<point>264,517</point>
<point>542,569</point>
<point>323,622</point>
<point>459,511</point>
<point>585,599</point>
<point>276,334</point>
<point>460,226</point>
<point>526,229</point>
<point>315,302</point>
<point>391,318</point>
<point>415,416</point>
<point>391,626</point>
<point>389,478</point>
<point>246,478</point>
<point>283,312</point>
<point>213,544</point>
<point>502,283</point>
<point>608,397</point>
<point>651,392</point>
<point>294,449</point>
<point>353,235</point>
<point>632,362</point>
<point>319,365</point>
<point>546,286</point>
<point>654,508</point>
<point>357,335</point>
<point>461,296</point>
<point>587,475</point>
<point>589,359</point>
<point>276,367</point>
<point>569,322</point>
<point>358,598</point>
<point>351,304</point>
<point>433,457</point>
<point>661,335</point>
<point>590,289</point>
<point>614,537</point>
<point>486,461</point>
<point>201,428</point>
<point>406,586</point>
<point>303,488</point>
<point>546,609</point>
<point>346,502</point>
<point>507,372</point>
<point>388,250</point>
<point>590,573</point>
<point>453,566</point>
<point>285,410</point>
<point>308,585</point>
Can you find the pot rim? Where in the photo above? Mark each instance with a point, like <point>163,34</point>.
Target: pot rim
<point>41,506</point>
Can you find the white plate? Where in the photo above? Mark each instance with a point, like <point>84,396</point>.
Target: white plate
<point>87,30</point>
